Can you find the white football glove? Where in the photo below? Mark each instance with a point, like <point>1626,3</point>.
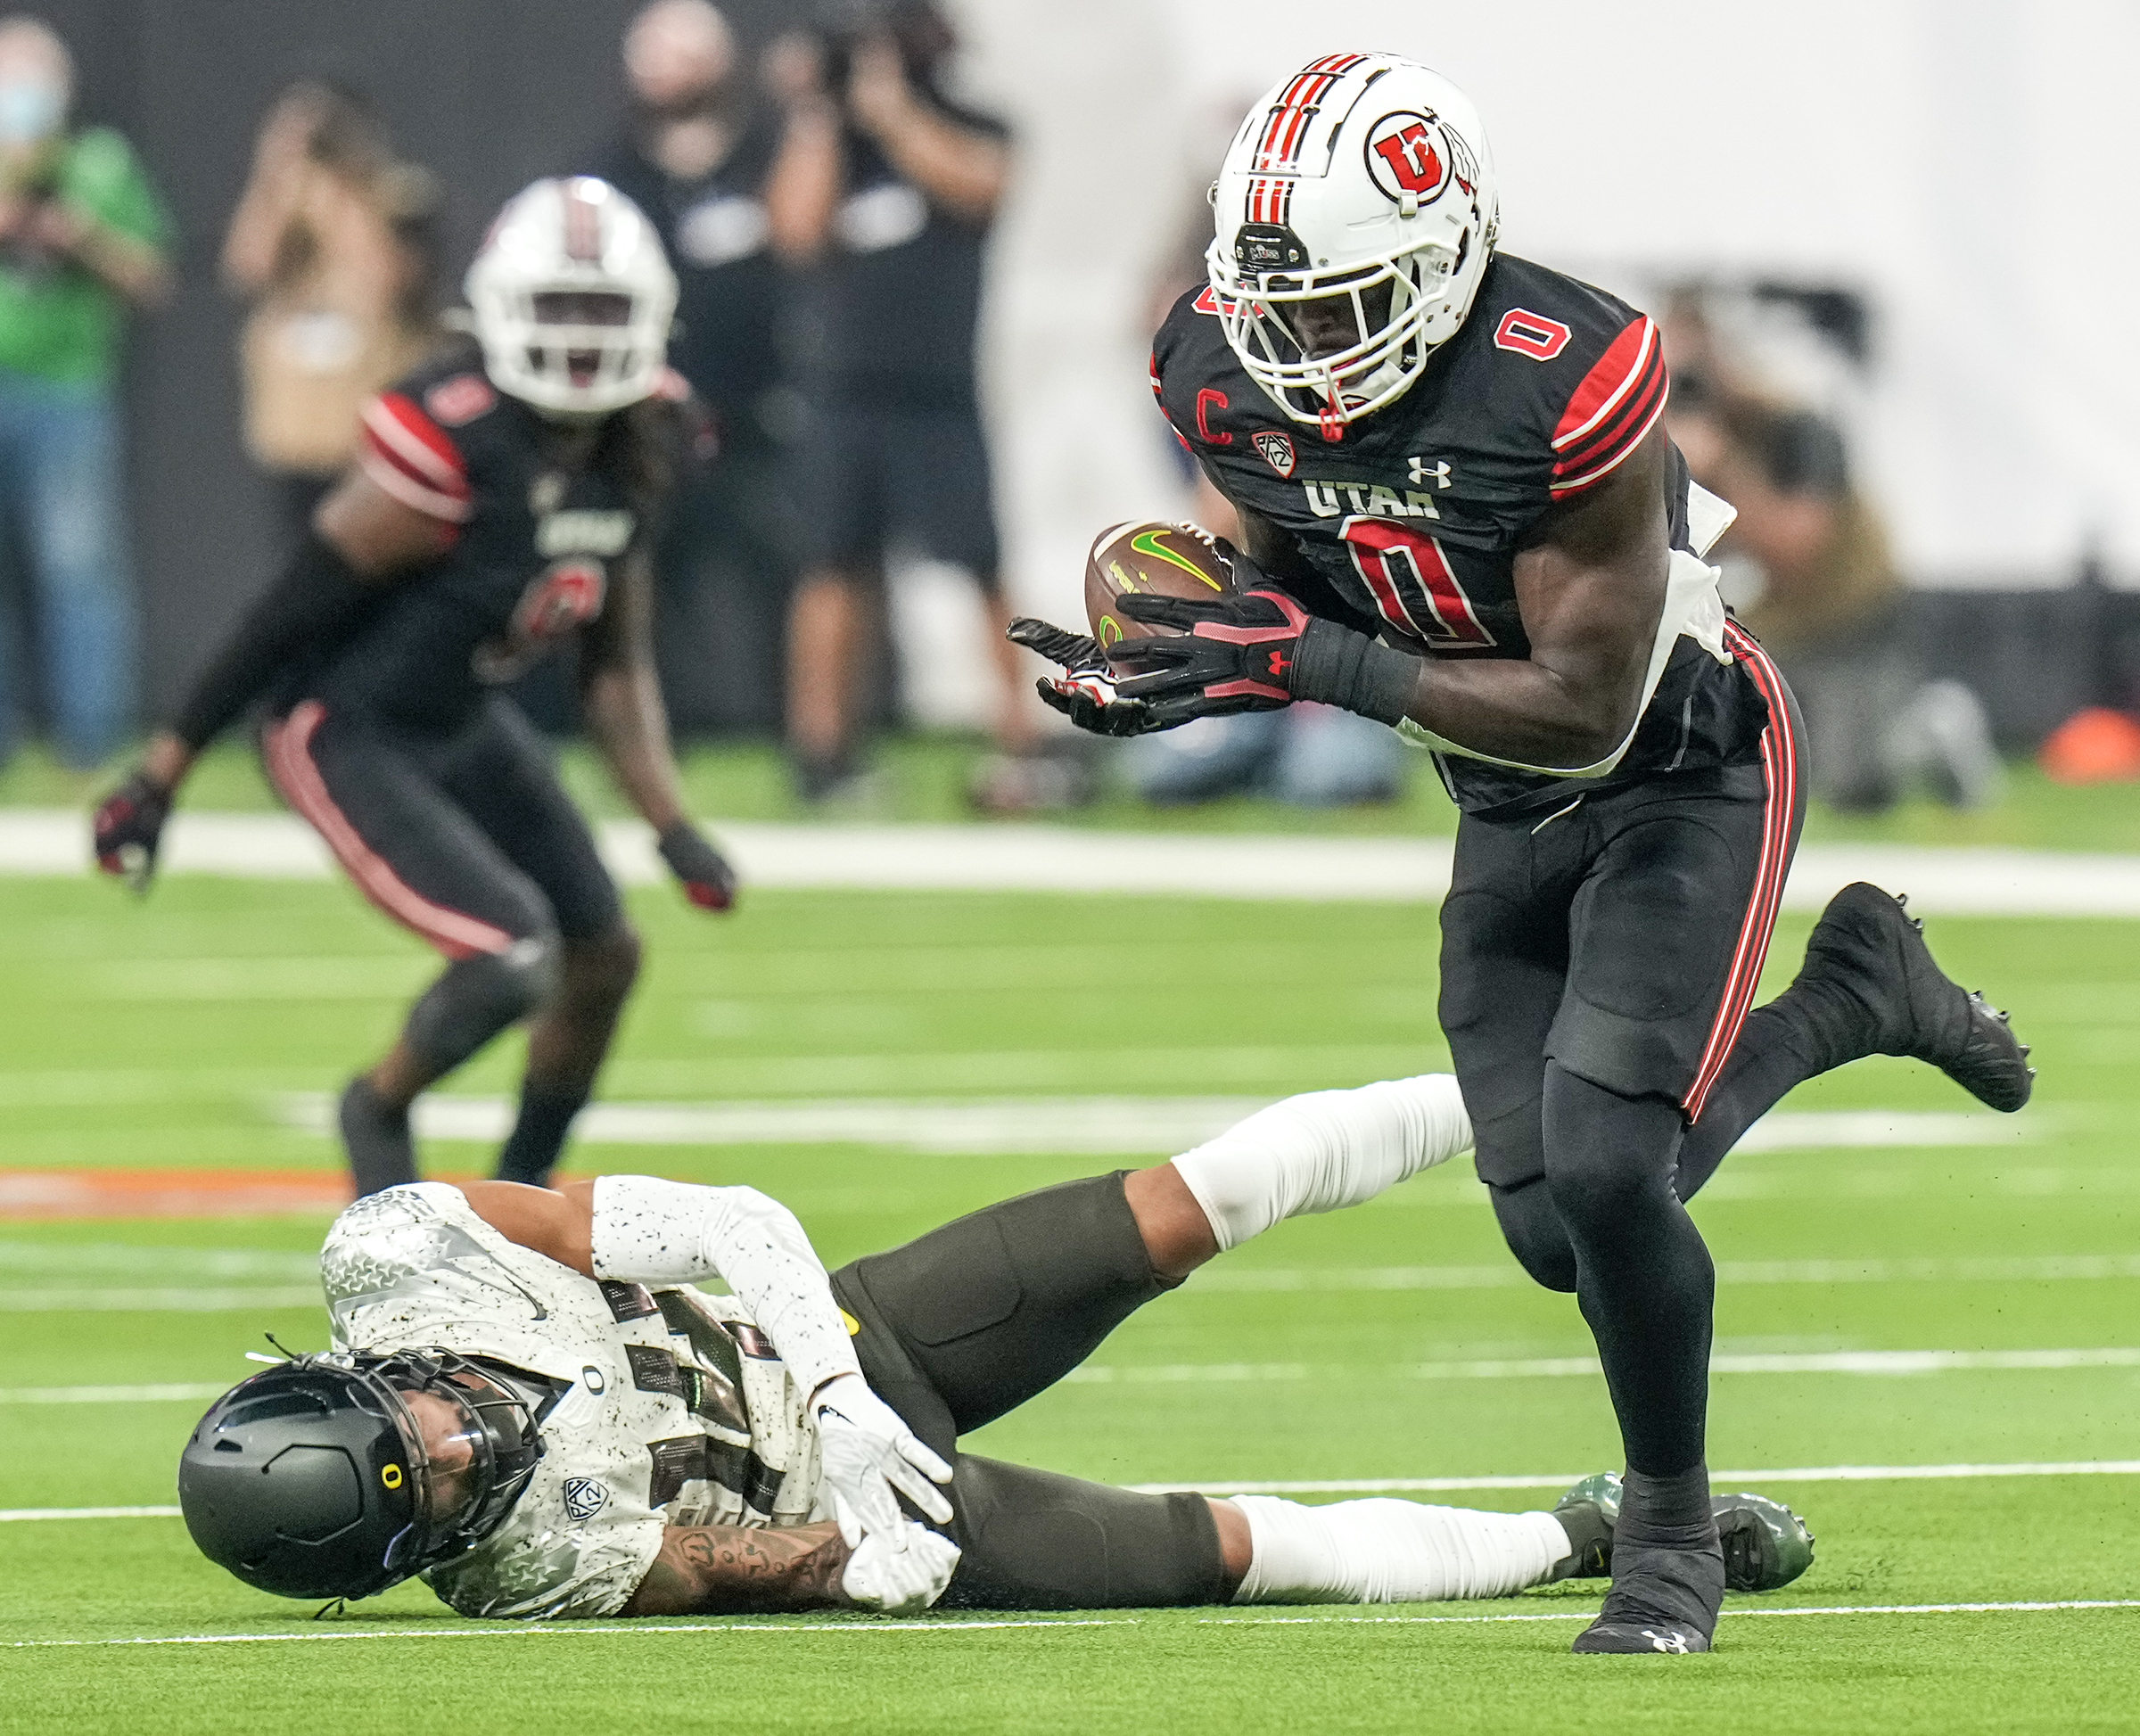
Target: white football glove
<point>901,1572</point>
<point>866,1453</point>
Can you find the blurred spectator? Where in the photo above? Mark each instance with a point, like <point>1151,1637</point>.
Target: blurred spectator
<point>1830,606</point>
<point>332,240</point>
<point>1312,756</point>
<point>885,187</point>
<point>81,237</point>
<point>695,164</point>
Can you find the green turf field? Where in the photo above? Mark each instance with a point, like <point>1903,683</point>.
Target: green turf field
<point>1394,1342</point>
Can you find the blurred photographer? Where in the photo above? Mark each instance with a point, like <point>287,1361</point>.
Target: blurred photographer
<point>885,189</point>
<point>1829,607</point>
<point>696,161</point>
<point>81,241</point>
<point>333,243</point>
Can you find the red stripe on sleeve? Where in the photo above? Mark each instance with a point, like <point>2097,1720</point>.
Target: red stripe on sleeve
<point>1612,411</point>
<point>414,459</point>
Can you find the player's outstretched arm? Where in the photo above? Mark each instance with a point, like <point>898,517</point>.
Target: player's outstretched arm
<point>363,538</point>
<point>621,697</point>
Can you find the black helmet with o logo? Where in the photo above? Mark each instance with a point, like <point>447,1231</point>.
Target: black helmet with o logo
<point>312,1480</point>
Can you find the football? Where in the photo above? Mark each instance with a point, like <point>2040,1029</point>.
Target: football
<point>1155,559</point>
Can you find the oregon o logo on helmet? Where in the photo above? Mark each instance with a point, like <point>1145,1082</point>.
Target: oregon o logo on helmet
<point>390,1474</point>
<point>1408,156</point>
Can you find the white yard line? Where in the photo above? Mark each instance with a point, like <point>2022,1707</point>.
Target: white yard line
<point>168,1392</point>
<point>1869,1362</point>
<point>156,1302</point>
<point>1097,1126</point>
<point>740,1629</point>
<point>1981,882</point>
<point>1383,1485</point>
<point>2045,1269</point>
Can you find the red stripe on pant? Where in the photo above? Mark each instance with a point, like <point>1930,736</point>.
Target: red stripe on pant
<point>1780,771</point>
<point>289,753</point>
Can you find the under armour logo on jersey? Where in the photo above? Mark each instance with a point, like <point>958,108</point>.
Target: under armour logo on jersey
<point>1437,473</point>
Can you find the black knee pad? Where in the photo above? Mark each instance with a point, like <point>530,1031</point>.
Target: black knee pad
<point>1604,1152</point>
<point>479,997</point>
<point>1530,1224</point>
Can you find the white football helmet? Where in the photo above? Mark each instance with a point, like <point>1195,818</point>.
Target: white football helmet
<point>572,297</point>
<point>1362,173</point>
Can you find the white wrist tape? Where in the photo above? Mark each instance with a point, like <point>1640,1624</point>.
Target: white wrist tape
<point>1323,1150</point>
<point>1392,1551</point>
<point>649,1231</point>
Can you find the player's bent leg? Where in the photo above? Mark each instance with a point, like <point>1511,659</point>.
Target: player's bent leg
<point>1322,1151</point>
<point>1530,1224</point>
<point>1869,986</point>
<point>996,1306</point>
<point>566,1046</point>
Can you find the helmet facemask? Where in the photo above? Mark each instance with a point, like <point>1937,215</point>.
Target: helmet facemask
<point>1392,300</point>
<point>572,299</point>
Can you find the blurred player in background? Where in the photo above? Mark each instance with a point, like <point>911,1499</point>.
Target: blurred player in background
<point>696,161</point>
<point>1460,516</point>
<point>501,504</point>
<point>885,189</point>
<point>632,1446</point>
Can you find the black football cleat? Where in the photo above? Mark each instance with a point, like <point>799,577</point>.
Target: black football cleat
<point>1662,1599</point>
<point>381,1151</point>
<point>1765,1544</point>
<point>1868,946</point>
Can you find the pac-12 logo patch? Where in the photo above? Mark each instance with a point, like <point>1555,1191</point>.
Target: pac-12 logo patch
<point>1408,157</point>
<point>584,1497</point>
<point>1277,449</point>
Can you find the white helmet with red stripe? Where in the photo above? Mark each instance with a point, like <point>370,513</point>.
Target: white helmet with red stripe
<point>1362,175</point>
<point>573,298</point>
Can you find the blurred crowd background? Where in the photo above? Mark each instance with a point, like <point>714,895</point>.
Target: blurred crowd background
<point>923,249</point>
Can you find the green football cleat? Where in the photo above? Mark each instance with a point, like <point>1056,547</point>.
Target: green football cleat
<point>1765,1544</point>
<point>1588,1513</point>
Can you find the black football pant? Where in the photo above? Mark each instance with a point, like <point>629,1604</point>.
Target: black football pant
<point>465,837</point>
<point>1599,964</point>
<point>964,1325</point>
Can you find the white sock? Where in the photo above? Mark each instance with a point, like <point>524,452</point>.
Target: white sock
<point>1322,1150</point>
<point>1392,1551</point>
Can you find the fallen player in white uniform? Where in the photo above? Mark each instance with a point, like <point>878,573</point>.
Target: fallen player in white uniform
<point>529,1403</point>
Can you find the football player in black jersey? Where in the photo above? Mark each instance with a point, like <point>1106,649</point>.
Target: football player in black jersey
<point>502,504</point>
<point>1461,515</point>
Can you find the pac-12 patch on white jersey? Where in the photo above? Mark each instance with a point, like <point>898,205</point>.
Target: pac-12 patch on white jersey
<point>671,1407</point>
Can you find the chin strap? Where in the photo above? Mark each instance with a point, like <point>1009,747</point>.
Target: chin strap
<point>1332,414</point>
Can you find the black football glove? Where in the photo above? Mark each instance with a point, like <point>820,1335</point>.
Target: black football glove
<point>1085,691</point>
<point>129,829</point>
<point>708,880</point>
<point>1231,653</point>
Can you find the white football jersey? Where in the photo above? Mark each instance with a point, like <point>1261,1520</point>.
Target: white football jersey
<point>672,1409</point>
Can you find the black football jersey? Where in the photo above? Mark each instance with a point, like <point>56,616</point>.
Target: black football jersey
<point>539,526</point>
<point>1412,519</point>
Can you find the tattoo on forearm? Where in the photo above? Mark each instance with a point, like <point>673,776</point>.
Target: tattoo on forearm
<point>730,1568</point>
